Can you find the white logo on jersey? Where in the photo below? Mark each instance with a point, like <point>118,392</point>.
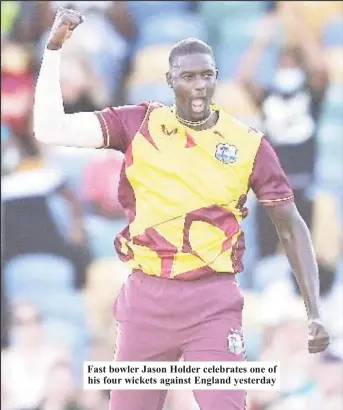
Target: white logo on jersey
<point>226,153</point>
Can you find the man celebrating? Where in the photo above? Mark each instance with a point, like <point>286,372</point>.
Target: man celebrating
<point>183,186</point>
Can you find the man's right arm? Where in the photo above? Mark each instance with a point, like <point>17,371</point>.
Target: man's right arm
<point>51,124</point>
<point>112,127</point>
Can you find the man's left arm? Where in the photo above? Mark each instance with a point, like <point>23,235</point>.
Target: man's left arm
<point>296,240</point>
<point>273,191</point>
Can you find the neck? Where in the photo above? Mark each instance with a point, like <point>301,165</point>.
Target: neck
<point>183,114</point>
<point>209,119</point>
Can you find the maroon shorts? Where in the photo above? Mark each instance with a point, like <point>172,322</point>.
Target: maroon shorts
<point>162,320</point>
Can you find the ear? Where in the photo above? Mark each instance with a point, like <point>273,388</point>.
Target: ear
<point>217,73</point>
<point>169,79</point>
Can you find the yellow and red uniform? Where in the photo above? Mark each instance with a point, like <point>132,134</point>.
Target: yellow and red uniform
<point>184,191</point>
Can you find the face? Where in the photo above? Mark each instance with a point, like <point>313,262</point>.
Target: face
<point>193,78</point>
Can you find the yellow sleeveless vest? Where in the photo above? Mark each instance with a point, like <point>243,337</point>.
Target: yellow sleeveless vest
<point>189,189</point>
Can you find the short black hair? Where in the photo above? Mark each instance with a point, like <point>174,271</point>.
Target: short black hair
<point>189,46</point>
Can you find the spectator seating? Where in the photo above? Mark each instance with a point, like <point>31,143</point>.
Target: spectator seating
<point>330,145</point>
<point>332,38</point>
<point>67,306</point>
<point>141,11</point>
<point>333,103</point>
<point>219,15</point>
<point>105,278</point>
<point>62,332</point>
<point>264,274</point>
<point>318,13</point>
<point>315,15</point>
<point>214,10</point>
<point>57,304</point>
<point>107,50</point>
<point>64,316</point>
<point>328,182</point>
<point>148,82</point>
<point>235,100</point>
<point>235,37</point>
<point>328,190</point>
<point>251,324</point>
<point>102,232</point>
<point>74,338</point>
<point>97,42</point>
<point>332,34</point>
<point>228,58</point>
<point>150,65</point>
<point>264,72</point>
<point>74,163</point>
<point>334,61</point>
<point>44,273</point>
<point>151,92</point>
<point>334,303</point>
<point>328,161</point>
<point>171,28</point>
<point>82,321</point>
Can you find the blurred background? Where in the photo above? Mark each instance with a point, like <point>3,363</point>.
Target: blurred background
<point>281,71</point>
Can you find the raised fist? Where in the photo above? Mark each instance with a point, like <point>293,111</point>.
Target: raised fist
<point>65,22</point>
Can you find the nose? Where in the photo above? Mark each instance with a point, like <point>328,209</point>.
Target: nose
<point>200,85</point>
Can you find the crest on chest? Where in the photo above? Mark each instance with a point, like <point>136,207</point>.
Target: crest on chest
<point>226,153</point>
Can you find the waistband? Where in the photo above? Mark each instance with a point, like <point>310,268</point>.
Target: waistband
<point>176,283</point>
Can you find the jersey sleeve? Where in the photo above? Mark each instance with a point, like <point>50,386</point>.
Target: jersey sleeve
<point>120,124</point>
<point>268,180</point>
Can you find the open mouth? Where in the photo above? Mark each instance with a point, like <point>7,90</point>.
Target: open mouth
<point>198,105</point>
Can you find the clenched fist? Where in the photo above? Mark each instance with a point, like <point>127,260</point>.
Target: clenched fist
<point>318,337</point>
<point>65,22</point>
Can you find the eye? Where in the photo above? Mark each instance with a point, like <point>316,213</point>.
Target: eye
<point>209,75</point>
<point>187,77</point>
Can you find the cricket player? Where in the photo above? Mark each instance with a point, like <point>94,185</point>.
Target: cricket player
<point>184,182</point>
